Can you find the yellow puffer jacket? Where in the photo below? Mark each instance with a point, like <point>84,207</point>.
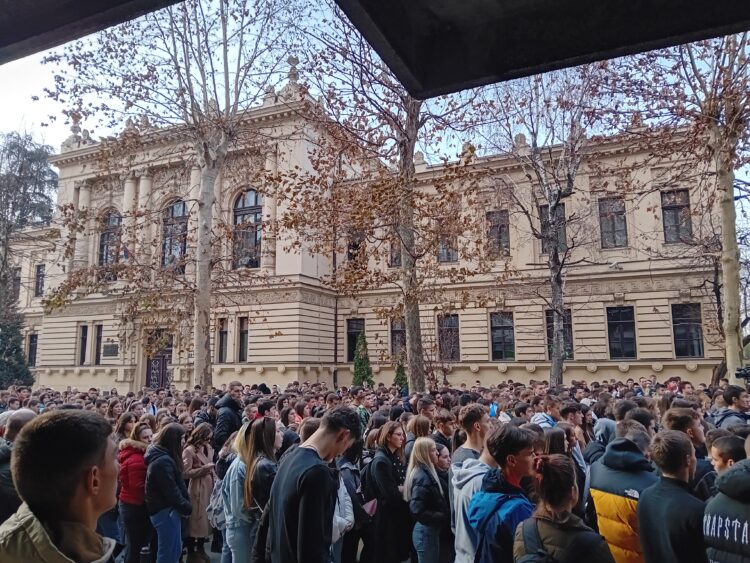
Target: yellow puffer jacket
<point>617,481</point>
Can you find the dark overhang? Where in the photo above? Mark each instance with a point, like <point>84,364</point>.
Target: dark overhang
<point>440,46</point>
<point>28,26</point>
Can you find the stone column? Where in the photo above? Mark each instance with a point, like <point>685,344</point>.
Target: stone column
<point>81,253</point>
<point>128,213</point>
<point>144,219</point>
<point>268,248</point>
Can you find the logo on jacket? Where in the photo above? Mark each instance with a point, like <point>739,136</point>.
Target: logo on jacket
<point>632,493</point>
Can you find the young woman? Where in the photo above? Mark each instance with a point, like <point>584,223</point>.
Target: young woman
<point>199,468</point>
<point>114,409</point>
<point>124,426</point>
<point>447,539</point>
<point>166,494</point>
<point>391,528</point>
<point>424,493</point>
<point>348,465</point>
<point>563,534</point>
<point>418,427</point>
<point>247,484</point>
<point>132,476</point>
<point>187,422</point>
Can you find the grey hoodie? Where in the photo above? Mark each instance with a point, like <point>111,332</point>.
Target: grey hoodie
<point>467,480</point>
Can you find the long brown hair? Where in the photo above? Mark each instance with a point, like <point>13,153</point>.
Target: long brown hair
<point>170,438</point>
<point>199,436</point>
<point>255,440</point>
<point>385,433</point>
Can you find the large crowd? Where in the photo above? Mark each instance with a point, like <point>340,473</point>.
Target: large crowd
<point>633,471</point>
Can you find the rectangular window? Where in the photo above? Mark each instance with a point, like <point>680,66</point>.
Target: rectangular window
<point>394,254</point>
<point>498,234</point>
<point>688,330</point>
<point>355,248</point>
<point>353,329</point>
<point>398,338</point>
<point>447,249</point>
<point>621,332</point>
<point>98,333</point>
<point>244,335</point>
<point>501,331</point>
<point>16,284</point>
<point>39,281</point>
<point>675,208</point>
<point>222,343</point>
<point>612,222</point>
<point>562,232</point>
<point>449,340</point>
<point>31,355</point>
<point>567,333</point>
<point>83,343</point>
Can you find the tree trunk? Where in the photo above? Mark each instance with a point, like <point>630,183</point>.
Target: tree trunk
<point>557,355</point>
<point>202,302</point>
<point>412,321</point>
<point>730,255</point>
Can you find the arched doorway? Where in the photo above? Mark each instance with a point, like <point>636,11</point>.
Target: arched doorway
<point>159,360</point>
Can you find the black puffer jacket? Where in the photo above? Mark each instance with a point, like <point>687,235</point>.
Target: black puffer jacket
<point>202,416</point>
<point>165,486</point>
<point>726,521</point>
<point>426,503</point>
<point>228,420</point>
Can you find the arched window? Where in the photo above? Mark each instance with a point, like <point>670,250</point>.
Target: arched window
<point>174,234</point>
<point>110,239</point>
<point>248,227</point>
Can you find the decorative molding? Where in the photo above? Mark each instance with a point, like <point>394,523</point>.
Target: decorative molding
<point>591,368</point>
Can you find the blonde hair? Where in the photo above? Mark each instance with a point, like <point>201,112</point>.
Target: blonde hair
<point>420,457</point>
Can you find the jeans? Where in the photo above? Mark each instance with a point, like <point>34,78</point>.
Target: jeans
<point>226,552</point>
<point>107,525</point>
<point>241,540</point>
<point>426,541</point>
<point>336,550</point>
<point>168,535</point>
<point>138,530</point>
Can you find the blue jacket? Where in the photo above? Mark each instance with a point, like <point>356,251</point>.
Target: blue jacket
<point>494,513</point>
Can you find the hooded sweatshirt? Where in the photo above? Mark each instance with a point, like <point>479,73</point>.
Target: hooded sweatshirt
<point>727,417</point>
<point>466,481</point>
<point>726,521</point>
<point>494,514</point>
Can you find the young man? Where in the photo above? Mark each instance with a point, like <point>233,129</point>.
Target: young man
<point>725,520</point>
<point>358,402</point>
<point>297,522</point>
<point>670,518</point>
<point>445,427</point>
<point>65,468</point>
<point>737,403</point>
<point>467,480</point>
<point>689,421</point>
<point>426,407</point>
<point>617,480</point>
<point>475,422</point>
<point>551,415</point>
<point>501,504</point>
<point>9,500</point>
<point>725,451</point>
<point>229,414</point>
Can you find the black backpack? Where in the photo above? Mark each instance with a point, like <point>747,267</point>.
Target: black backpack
<point>534,548</point>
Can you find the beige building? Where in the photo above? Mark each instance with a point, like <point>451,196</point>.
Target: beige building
<point>636,299</point>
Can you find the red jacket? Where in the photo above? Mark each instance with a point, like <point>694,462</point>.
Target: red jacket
<point>132,471</point>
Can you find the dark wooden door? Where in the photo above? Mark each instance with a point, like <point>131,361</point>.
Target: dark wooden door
<point>157,365</point>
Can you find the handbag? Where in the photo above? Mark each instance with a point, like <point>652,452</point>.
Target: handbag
<point>371,507</point>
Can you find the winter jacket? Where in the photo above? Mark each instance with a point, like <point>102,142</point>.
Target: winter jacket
<point>466,481</point>
<point>670,520</point>
<point>23,539</point>
<point>196,465</point>
<point>409,445</point>
<point>202,416</point>
<point>426,502</point>
<point>726,520</point>
<point>564,538</point>
<point>343,516</point>
<point>228,420</point>
<point>494,513</point>
<point>132,471</point>
<point>727,417</point>
<point>617,481</point>
<point>392,523</point>
<point>9,499</point>
<point>440,439</point>
<point>165,484</point>
<point>352,479</point>
<point>544,420</point>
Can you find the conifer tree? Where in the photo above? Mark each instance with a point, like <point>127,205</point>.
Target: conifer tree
<point>362,367</point>
<point>400,379</point>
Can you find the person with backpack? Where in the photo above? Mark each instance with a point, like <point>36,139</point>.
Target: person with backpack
<point>554,533</point>
<point>348,466</point>
<point>501,504</point>
<point>427,505</point>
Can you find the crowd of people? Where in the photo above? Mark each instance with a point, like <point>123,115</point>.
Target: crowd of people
<point>603,471</point>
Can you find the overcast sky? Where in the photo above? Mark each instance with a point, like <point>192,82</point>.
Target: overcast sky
<point>22,79</point>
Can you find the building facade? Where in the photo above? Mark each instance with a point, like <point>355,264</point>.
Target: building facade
<point>636,297</point>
